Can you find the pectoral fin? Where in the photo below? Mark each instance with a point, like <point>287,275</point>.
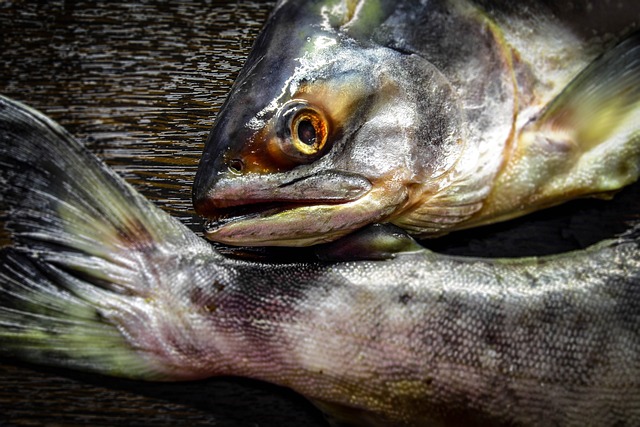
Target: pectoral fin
<point>599,100</point>
<point>585,143</point>
<point>376,242</point>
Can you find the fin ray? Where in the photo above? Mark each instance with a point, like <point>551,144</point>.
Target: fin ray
<point>598,100</point>
<point>82,243</point>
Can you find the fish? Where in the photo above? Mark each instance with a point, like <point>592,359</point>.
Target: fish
<point>97,278</point>
<point>434,116</point>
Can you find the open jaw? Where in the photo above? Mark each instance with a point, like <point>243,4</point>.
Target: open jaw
<point>298,222</point>
<point>272,210</point>
<point>223,216</point>
<point>279,223</point>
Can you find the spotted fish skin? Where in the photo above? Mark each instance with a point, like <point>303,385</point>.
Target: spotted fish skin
<point>97,278</point>
<point>433,116</point>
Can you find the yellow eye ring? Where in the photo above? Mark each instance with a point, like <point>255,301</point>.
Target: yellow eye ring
<point>301,132</point>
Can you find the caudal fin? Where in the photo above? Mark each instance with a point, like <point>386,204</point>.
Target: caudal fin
<point>77,276</point>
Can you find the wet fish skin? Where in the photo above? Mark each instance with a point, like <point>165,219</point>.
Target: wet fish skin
<point>441,132</point>
<point>99,279</point>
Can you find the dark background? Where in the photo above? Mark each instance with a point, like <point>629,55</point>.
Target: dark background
<point>140,84</point>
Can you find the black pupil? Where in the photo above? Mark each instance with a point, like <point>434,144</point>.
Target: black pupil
<point>306,132</point>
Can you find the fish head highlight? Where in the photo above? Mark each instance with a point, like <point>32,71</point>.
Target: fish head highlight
<point>318,135</point>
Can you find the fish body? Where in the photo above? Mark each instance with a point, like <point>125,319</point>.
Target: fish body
<point>434,116</point>
<point>97,278</point>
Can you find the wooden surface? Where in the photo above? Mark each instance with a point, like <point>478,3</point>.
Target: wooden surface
<point>140,84</point>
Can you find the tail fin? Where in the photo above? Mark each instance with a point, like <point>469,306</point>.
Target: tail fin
<point>82,241</point>
<point>47,318</point>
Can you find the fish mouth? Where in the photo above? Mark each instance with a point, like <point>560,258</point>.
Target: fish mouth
<point>219,217</point>
<point>255,209</point>
<point>296,222</point>
<point>278,223</point>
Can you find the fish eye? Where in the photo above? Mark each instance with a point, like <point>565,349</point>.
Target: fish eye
<point>302,131</point>
<point>236,166</point>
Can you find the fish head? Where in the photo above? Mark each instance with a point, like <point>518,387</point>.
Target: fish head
<point>316,139</point>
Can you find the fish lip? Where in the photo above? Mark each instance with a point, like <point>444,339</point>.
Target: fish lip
<point>246,198</point>
<point>220,217</point>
